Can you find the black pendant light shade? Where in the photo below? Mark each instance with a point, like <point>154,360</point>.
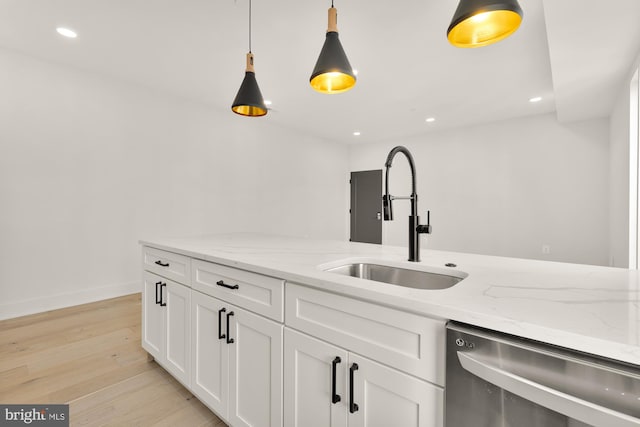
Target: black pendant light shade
<point>332,73</point>
<point>249,100</point>
<point>482,22</point>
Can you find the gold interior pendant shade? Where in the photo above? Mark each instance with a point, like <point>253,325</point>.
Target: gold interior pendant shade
<point>482,22</point>
<point>332,73</point>
<point>249,101</point>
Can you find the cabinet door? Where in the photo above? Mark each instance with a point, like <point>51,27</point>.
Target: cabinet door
<point>406,341</point>
<point>387,397</point>
<point>178,331</point>
<point>210,357</point>
<point>255,367</point>
<point>152,316</point>
<point>309,382</point>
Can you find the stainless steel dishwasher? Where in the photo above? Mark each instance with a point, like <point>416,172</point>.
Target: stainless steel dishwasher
<point>497,380</point>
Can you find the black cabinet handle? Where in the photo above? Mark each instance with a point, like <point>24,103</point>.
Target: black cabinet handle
<point>162,264</point>
<point>220,334</point>
<point>353,407</point>
<point>162,304</point>
<point>158,300</point>
<point>224,285</point>
<point>229,339</point>
<point>335,398</point>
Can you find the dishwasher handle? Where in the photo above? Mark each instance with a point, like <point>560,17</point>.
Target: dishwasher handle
<point>565,404</point>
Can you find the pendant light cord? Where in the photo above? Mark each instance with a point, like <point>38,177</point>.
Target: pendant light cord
<point>250,26</point>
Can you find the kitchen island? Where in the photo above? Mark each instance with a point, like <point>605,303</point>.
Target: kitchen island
<point>585,308</point>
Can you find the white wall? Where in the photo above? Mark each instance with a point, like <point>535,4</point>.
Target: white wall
<point>619,182</point>
<point>89,165</point>
<point>623,142</point>
<point>506,188</point>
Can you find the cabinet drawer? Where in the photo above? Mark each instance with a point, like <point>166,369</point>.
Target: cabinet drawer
<point>255,292</point>
<point>405,341</point>
<point>167,264</point>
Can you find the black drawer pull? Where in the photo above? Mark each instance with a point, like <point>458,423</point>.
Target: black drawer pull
<point>158,299</point>
<point>162,304</point>
<point>335,398</point>
<point>229,339</point>
<point>353,407</point>
<point>162,264</point>
<point>220,334</point>
<point>224,285</point>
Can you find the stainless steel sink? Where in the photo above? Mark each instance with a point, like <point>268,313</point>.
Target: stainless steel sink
<point>397,276</point>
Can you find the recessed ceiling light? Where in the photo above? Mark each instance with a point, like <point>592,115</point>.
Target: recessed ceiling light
<point>356,133</point>
<point>430,120</point>
<point>536,99</point>
<point>267,102</point>
<point>67,32</point>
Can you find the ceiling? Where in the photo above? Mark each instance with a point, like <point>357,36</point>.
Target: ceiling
<point>574,53</point>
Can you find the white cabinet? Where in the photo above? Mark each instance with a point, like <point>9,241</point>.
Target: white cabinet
<point>208,339</point>
<point>255,362</point>
<point>153,316</point>
<point>167,264</point>
<point>237,362</point>
<point>328,386</point>
<point>387,397</point>
<point>255,292</point>
<point>409,342</point>
<point>210,357</point>
<point>166,324</point>
<point>178,331</point>
<point>309,386</point>
<point>339,362</point>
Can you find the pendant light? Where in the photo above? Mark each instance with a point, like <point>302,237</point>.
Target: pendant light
<point>482,22</point>
<point>332,73</point>
<point>249,101</point>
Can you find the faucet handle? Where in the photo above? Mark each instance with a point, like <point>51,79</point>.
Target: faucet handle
<point>425,229</point>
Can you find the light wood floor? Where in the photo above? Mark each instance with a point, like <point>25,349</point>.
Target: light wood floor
<point>90,357</point>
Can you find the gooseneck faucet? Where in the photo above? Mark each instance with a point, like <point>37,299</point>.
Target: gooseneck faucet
<point>415,229</point>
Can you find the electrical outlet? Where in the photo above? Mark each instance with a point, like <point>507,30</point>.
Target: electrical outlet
<point>546,249</point>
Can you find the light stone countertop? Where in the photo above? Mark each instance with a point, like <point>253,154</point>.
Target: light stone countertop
<point>587,308</point>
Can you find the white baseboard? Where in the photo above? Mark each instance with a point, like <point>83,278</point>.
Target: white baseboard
<point>39,305</point>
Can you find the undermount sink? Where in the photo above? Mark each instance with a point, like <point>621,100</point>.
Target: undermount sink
<point>397,275</point>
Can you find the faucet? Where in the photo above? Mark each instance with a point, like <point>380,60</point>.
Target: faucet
<point>415,229</point>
